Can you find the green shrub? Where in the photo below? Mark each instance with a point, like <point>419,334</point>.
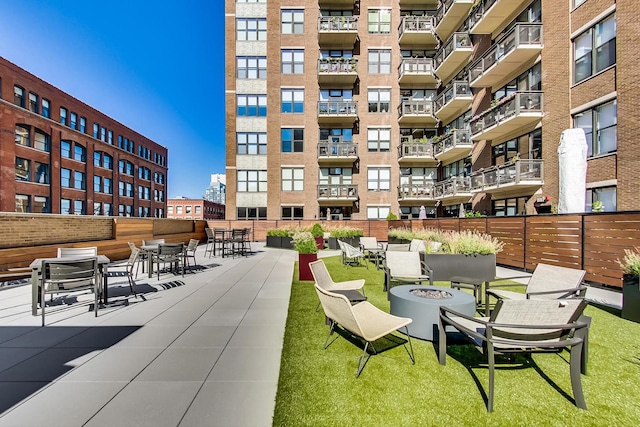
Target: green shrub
<point>317,230</point>
<point>339,232</point>
<point>392,217</point>
<point>279,232</point>
<point>304,242</point>
<point>401,233</point>
<point>471,243</point>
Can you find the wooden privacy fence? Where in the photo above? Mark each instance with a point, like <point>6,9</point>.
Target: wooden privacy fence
<point>592,242</point>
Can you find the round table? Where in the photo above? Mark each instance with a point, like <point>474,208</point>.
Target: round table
<point>425,312</point>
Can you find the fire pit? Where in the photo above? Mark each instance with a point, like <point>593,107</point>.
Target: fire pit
<point>422,304</point>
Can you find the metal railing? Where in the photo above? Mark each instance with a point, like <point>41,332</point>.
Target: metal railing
<point>337,65</point>
<point>453,90</point>
<point>416,23</point>
<point>416,191</point>
<point>442,10</point>
<point>337,149</point>
<point>510,173</point>
<point>416,148</point>
<point>415,65</point>
<point>456,138</point>
<point>337,23</point>
<point>477,12</point>
<point>457,40</point>
<point>453,186</point>
<point>420,107</point>
<point>337,108</point>
<point>337,191</point>
<point>512,105</point>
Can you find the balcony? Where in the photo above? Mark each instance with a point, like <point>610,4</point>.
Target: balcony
<point>337,70</point>
<point>416,192</point>
<point>450,15</point>
<point>518,110</point>
<point>453,190</point>
<point>416,112</point>
<point>336,2</point>
<point>337,152</point>
<point>411,151</point>
<point>455,145</point>
<point>337,30</point>
<point>417,31</point>
<point>519,177</point>
<point>337,192</point>
<point>453,56</point>
<point>417,71</point>
<point>489,15</point>
<point>453,101</point>
<point>507,57</point>
<point>338,112</point>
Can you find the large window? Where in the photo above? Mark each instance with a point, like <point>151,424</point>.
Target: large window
<point>63,116</point>
<point>379,100</point>
<point>252,181</point>
<point>251,213</point>
<point>292,179</point>
<point>65,149</point>
<point>251,105</point>
<point>378,179</point>
<point>379,21</point>
<point>251,67</point>
<point>378,139</point>
<point>292,140</point>
<point>41,141</point>
<point>33,102</point>
<point>46,108</point>
<point>18,96</point>
<point>379,61</point>
<point>510,207</point>
<point>600,126</point>
<point>595,49</point>
<point>335,176</point>
<point>97,184</point>
<point>65,178</point>
<point>78,180</point>
<point>22,136</point>
<point>292,21</point>
<point>251,29</point>
<point>292,212</point>
<point>23,169</point>
<point>107,185</point>
<point>378,212</point>
<point>605,195</point>
<point>292,100</point>
<point>73,120</point>
<point>292,61</point>
<point>79,207</point>
<point>65,206</point>
<point>419,177</point>
<point>22,203</point>
<point>79,153</point>
<point>83,124</point>
<point>251,143</point>
<point>40,205</point>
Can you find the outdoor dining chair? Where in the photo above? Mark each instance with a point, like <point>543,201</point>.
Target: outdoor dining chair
<point>350,255</point>
<point>78,252</point>
<point>128,269</point>
<point>169,253</point>
<point>190,252</point>
<point>404,267</point>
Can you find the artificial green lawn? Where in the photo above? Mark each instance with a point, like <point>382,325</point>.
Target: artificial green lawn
<point>318,387</point>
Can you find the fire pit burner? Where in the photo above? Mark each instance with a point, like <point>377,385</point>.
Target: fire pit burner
<point>431,293</point>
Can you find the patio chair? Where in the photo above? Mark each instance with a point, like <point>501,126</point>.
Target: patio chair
<point>190,252</point>
<point>546,282</point>
<point>523,326</point>
<point>141,259</point>
<point>404,267</point>
<point>209,248</point>
<point>347,288</point>
<point>69,275</point>
<point>171,253</point>
<point>78,252</point>
<point>350,255</point>
<point>417,245</point>
<point>128,271</point>
<point>364,320</point>
<point>372,249</point>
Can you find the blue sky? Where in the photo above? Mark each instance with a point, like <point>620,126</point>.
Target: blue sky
<point>154,66</point>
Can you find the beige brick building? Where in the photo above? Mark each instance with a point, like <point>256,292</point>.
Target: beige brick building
<point>356,109</point>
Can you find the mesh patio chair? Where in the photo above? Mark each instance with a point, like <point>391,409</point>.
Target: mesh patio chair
<point>372,249</point>
<point>128,271</point>
<point>141,259</point>
<point>404,267</point>
<point>523,326</point>
<point>348,288</point>
<point>350,255</point>
<point>363,320</point>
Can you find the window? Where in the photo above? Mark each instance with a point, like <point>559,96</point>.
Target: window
<point>22,136</point>
<point>23,172</point>
<point>378,179</point>
<point>292,61</point>
<point>345,133</point>
<point>96,130</point>
<point>170,210</point>
<point>251,142</point>
<point>97,184</point>
<point>292,179</point>
<point>65,206</point>
<point>125,189</point>
<point>251,29</point>
<point>178,209</point>
<point>379,100</point>
<point>22,203</point>
<point>107,161</point>
<point>606,195</point>
<point>577,3</point>
<point>73,120</point>
<point>107,185</point>
<point>251,67</point>
<point>65,149</point>
<point>83,125</point>
<point>78,180</point>
<point>600,126</point>
<point>40,204</point>
<point>252,181</point>
<point>41,173</point>
<point>336,176</point>
<point>379,61</point>
<point>187,209</point>
<point>292,140</point>
<point>97,208</point>
<point>244,213</point>
<point>125,167</point>
<point>18,96</point>
<point>379,21</point>
<point>46,108</point>
<point>103,135</point>
<point>292,21</point>
<point>509,207</point>
<point>33,102</point>
<point>251,105</point>
<point>78,207</point>
<point>63,116</point>
<point>418,181</point>
<point>292,212</point>
<point>595,49</point>
<point>79,153</point>
<point>292,100</point>
<point>65,178</point>
<point>378,139</point>
<point>41,141</point>
<point>378,212</point>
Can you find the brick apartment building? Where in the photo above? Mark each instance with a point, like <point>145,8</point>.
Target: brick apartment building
<point>59,155</point>
<point>361,108</point>
<point>183,208</point>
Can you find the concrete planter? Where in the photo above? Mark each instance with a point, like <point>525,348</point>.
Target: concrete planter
<point>446,266</point>
<point>631,298</point>
<point>274,241</point>
<point>304,271</point>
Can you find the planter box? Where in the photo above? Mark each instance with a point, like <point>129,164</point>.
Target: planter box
<point>304,271</point>
<point>353,241</point>
<point>319,242</point>
<point>396,241</point>
<point>286,243</point>
<point>274,241</point>
<point>631,298</point>
<point>446,266</point>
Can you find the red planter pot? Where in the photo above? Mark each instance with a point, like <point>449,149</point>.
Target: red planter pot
<point>304,271</point>
<point>320,242</point>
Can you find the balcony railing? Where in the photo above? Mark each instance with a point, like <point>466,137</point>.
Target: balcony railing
<point>521,44</point>
<point>338,191</point>
<point>417,30</point>
<point>415,191</point>
<point>341,111</point>
<point>526,174</point>
<point>453,187</point>
<point>417,70</point>
<point>416,111</point>
<point>450,14</point>
<point>453,55</point>
<point>455,144</point>
<point>337,150</point>
<point>455,99</point>
<point>337,29</point>
<point>337,70</point>
<point>513,111</point>
<point>416,149</point>
<point>488,15</point>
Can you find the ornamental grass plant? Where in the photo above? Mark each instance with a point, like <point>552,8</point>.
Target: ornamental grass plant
<point>630,264</point>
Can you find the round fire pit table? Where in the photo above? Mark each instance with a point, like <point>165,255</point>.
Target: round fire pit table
<point>422,304</point>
